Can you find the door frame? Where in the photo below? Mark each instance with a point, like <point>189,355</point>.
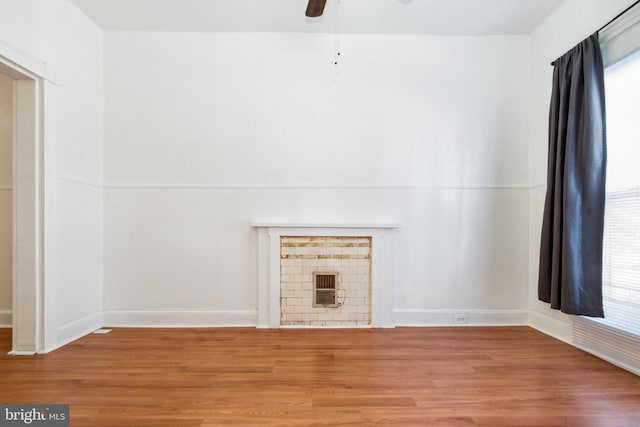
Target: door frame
<point>34,176</point>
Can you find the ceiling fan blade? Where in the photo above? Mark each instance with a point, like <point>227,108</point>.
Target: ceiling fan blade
<point>315,8</point>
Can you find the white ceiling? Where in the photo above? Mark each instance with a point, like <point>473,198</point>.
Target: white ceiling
<point>445,17</point>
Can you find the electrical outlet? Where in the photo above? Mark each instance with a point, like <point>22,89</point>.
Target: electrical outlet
<point>460,319</point>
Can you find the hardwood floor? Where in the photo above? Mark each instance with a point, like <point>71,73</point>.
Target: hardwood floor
<point>512,376</point>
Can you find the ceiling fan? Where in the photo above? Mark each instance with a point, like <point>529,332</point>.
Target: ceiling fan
<point>315,8</point>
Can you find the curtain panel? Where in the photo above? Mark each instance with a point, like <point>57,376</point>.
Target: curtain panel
<point>570,273</point>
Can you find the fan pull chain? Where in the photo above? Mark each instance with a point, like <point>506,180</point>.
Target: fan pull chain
<point>337,31</point>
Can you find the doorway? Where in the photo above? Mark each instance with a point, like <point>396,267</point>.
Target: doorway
<point>32,108</point>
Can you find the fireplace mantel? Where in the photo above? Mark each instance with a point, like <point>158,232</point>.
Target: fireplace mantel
<point>314,225</point>
<point>382,265</point>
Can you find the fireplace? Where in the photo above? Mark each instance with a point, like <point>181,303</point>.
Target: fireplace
<point>325,275</point>
<point>325,280</point>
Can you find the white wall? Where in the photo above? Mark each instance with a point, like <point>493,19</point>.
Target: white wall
<point>55,32</point>
<point>6,199</point>
<point>206,133</point>
<point>571,23</point>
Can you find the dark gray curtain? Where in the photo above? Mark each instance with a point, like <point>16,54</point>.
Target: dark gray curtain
<point>570,275</point>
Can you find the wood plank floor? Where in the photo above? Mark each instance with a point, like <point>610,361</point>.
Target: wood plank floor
<point>512,376</point>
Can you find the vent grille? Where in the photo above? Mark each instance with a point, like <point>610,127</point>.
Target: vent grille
<point>614,345</point>
<point>325,281</point>
<point>324,289</point>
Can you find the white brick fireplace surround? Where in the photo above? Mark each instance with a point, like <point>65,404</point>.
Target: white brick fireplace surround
<point>269,262</point>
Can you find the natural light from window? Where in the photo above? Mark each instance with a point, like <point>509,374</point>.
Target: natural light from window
<point>621,274</point>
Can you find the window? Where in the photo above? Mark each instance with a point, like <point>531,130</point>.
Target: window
<point>616,338</point>
<point>621,272</point>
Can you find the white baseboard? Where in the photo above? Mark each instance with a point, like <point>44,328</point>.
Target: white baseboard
<point>77,329</point>
<point>6,318</point>
<point>406,317</point>
<point>552,326</point>
<point>180,319</point>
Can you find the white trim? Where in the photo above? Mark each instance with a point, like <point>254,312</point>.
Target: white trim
<point>606,358</point>
<point>21,353</point>
<point>6,318</point>
<point>619,39</point>
<point>33,130</point>
<point>417,318</point>
<point>22,64</point>
<point>325,225</point>
<point>81,181</point>
<point>563,330</point>
<point>179,319</point>
<point>48,310</point>
<point>75,329</point>
<point>249,187</point>
<point>618,347</point>
<point>548,325</point>
<point>383,274</point>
